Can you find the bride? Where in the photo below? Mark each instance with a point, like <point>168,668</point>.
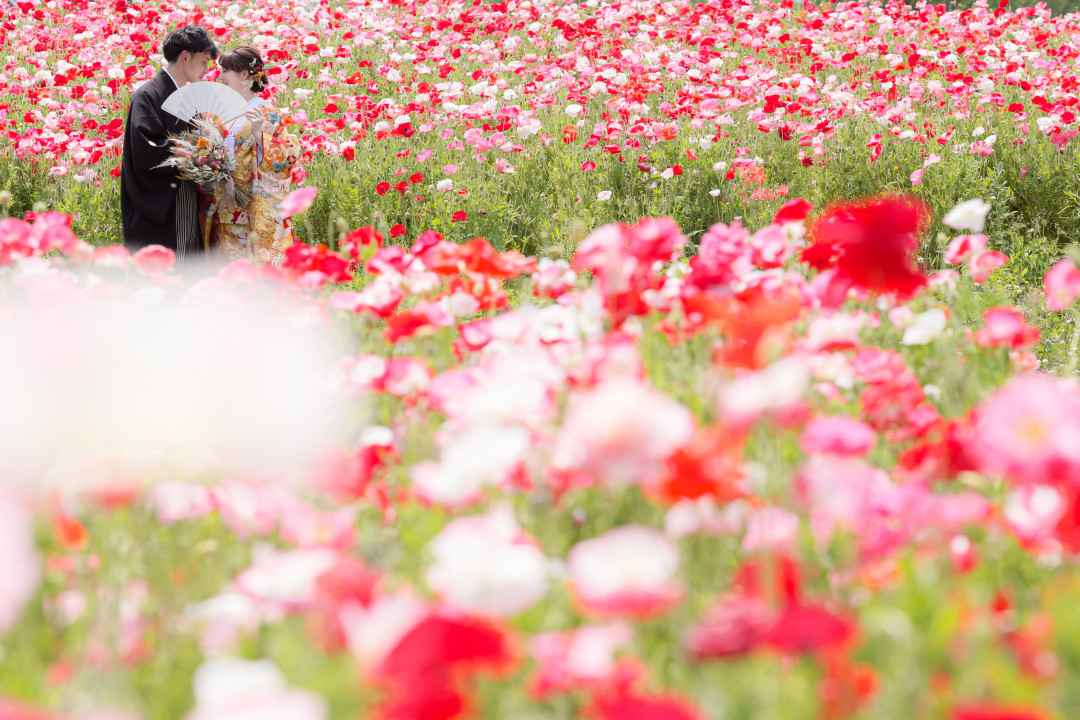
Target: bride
<point>265,154</point>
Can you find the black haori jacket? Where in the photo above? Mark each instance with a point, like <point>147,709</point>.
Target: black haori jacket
<point>147,195</point>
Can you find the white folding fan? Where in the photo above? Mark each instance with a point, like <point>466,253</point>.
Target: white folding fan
<point>207,98</point>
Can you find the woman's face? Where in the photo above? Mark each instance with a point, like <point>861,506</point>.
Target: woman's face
<point>238,81</point>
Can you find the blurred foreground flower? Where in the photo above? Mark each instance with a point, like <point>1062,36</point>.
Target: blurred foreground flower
<point>229,375</point>
<point>298,201</point>
<point>871,243</point>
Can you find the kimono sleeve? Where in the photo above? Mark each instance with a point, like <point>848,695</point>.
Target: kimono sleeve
<point>150,145</point>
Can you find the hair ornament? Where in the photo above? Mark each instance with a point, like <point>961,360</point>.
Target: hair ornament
<point>258,74</point>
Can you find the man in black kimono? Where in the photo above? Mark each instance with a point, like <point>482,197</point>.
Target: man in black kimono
<point>157,207</point>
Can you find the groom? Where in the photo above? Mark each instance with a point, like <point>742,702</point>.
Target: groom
<point>157,207</point>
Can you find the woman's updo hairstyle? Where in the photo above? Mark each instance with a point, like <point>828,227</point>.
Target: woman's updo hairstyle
<point>244,58</point>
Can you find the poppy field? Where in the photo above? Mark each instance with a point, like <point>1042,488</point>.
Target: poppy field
<point>657,360</point>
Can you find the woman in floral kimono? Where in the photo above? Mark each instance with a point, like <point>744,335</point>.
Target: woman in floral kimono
<point>265,155</point>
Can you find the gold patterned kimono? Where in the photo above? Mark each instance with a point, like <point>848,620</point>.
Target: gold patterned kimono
<point>258,231</point>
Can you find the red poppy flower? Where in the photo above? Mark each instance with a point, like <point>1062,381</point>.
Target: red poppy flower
<point>69,532</point>
<point>426,668</point>
<point>794,210</point>
<point>416,178</point>
<point>651,707</point>
<point>357,241</point>
<point>422,319</point>
<point>808,629</point>
<point>459,216</point>
<point>872,243</point>
<point>710,464</point>
<point>397,231</point>
<point>382,188</point>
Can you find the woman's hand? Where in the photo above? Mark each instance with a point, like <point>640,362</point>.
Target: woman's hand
<point>257,120</point>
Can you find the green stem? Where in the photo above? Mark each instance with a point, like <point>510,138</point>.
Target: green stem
<point>1070,367</point>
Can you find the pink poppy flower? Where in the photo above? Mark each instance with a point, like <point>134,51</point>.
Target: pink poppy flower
<point>1061,284</point>
<point>962,247</point>
<point>843,493</point>
<point>379,298</point>
<point>52,231</point>
<point>954,510</point>
<point>246,509</point>
<point>1032,512</point>
<point>622,431</point>
<point>630,570</point>
<point>111,256</point>
<point>1029,431</point>
<point>579,659</point>
<point>298,200</point>
<point>773,245</point>
<point>733,626</point>
<point>1006,327</point>
<point>984,264</point>
<point>10,710</point>
<point>154,260</point>
<point>308,527</point>
<point>553,278</point>
<point>770,529</point>
<point>837,435</point>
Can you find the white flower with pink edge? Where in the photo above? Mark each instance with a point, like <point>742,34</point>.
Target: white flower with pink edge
<point>630,570</point>
<point>486,565</point>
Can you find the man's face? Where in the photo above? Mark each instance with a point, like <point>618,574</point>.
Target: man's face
<point>193,66</point>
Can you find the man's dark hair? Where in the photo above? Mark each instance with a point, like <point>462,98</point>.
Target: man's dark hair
<point>192,38</point>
